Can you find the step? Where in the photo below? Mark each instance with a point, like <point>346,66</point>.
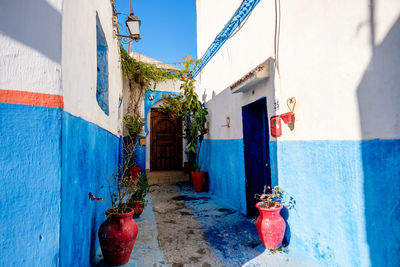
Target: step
<point>166,177</point>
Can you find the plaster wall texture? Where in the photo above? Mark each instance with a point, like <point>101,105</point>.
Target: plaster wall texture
<point>57,156</point>
<point>321,64</point>
<point>30,47</point>
<point>340,60</point>
<point>30,182</point>
<point>79,64</point>
<point>90,155</point>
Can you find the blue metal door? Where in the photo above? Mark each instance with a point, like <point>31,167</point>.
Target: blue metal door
<point>256,151</point>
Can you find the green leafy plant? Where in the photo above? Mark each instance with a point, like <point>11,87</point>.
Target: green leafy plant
<point>187,107</point>
<point>141,77</point>
<point>119,188</point>
<point>275,198</point>
<point>134,126</point>
<point>140,191</point>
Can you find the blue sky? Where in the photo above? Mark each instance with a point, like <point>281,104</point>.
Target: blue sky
<point>168,28</point>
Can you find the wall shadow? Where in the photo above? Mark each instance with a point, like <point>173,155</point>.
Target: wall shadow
<point>287,236</point>
<point>35,24</point>
<point>379,98</point>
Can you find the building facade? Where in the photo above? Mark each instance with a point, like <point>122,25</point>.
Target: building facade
<point>339,157</point>
<point>60,125</point>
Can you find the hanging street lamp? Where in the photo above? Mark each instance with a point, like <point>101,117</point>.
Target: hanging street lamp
<point>133,24</point>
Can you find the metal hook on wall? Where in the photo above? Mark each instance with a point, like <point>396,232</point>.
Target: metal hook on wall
<point>228,123</point>
<point>291,103</point>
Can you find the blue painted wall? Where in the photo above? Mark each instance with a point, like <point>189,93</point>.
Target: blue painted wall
<point>157,96</point>
<point>224,161</point>
<point>347,204</point>
<point>30,180</point>
<point>347,195</point>
<point>90,156</point>
<point>102,68</point>
<point>140,157</point>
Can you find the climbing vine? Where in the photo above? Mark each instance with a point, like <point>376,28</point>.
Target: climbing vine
<point>142,76</point>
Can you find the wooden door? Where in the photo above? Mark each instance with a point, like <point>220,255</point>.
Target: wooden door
<point>165,142</point>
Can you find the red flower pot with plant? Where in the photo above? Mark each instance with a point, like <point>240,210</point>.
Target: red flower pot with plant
<point>270,224</point>
<point>137,199</point>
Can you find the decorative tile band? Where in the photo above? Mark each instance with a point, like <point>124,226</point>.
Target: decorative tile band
<point>240,15</point>
<point>31,98</point>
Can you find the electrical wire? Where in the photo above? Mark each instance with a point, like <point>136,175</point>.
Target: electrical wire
<point>277,33</point>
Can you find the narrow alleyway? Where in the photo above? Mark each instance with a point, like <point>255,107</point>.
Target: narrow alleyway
<point>181,228</point>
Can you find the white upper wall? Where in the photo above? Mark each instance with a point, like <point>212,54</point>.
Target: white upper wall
<point>327,61</point>
<point>30,46</point>
<point>79,63</point>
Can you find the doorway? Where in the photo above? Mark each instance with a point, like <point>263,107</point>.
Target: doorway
<point>165,141</point>
<point>256,151</point>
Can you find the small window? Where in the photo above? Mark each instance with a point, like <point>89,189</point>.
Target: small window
<point>102,68</point>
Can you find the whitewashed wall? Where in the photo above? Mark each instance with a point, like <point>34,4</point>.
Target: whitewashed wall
<point>30,49</point>
<point>79,62</point>
<point>325,51</point>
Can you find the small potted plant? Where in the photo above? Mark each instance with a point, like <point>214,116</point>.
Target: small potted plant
<point>270,224</point>
<point>134,127</point>
<point>187,107</point>
<point>137,199</point>
<point>117,234</point>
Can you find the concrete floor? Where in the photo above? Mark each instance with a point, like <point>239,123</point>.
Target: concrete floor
<point>181,228</point>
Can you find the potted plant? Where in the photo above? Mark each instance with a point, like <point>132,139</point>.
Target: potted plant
<point>270,224</point>
<point>187,107</point>
<point>137,199</point>
<point>134,127</point>
<point>117,234</point>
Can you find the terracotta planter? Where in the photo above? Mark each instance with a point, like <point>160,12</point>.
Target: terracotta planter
<point>198,180</point>
<point>134,173</point>
<point>137,207</point>
<point>117,236</point>
<point>270,226</point>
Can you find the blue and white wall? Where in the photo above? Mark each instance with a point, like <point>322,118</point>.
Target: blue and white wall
<point>91,135</point>
<point>57,144</point>
<point>341,161</point>
<point>30,132</point>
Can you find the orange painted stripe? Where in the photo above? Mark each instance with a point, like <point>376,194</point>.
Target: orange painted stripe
<point>29,98</point>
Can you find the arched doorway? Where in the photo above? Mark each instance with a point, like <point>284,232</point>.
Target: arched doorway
<point>165,141</point>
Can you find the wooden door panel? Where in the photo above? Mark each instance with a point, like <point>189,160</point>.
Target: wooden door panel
<point>165,142</point>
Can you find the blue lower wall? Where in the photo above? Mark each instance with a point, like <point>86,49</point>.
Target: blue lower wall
<point>347,200</point>
<point>347,195</point>
<point>224,162</point>
<point>90,156</point>
<point>30,180</point>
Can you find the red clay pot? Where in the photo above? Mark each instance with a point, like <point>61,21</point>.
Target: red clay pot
<point>117,236</point>
<point>198,180</point>
<point>137,207</point>
<point>134,173</point>
<point>270,226</point>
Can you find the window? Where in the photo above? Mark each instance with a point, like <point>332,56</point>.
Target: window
<point>102,68</point>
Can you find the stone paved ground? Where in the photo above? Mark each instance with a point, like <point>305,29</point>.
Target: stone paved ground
<point>180,236</point>
<point>181,228</point>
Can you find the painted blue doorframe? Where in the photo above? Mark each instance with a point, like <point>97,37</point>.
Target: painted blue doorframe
<point>256,151</point>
